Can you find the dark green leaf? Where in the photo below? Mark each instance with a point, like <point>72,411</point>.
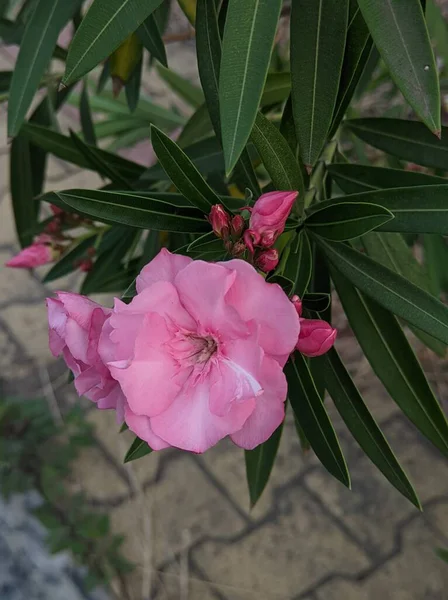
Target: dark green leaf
<point>361,424</point>
<point>259,463</point>
<point>287,127</point>
<point>277,88</point>
<point>105,26</point>
<point>389,289</point>
<point>183,87</point>
<point>149,35</point>
<point>133,86</point>
<point>134,210</point>
<point>278,158</point>
<point>408,140</point>
<point>182,171</point>
<point>247,46</point>
<point>442,553</point>
<point>399,32</point>
<point>313,418</point>
<point>362,178</point>
<point>36,48</point>
<point>67,263</point>
<point>393,360</point>
<point>21,185</point>
<point>138,449</point>
<point>346,220</point>
<point>198,127</point>
<point>316,302</point>
<point>298,267</point>
<point>88,130</point>
<point>436,259</point>
<point>318,31</point>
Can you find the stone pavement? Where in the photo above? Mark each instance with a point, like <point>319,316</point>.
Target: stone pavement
<point>186,518</point>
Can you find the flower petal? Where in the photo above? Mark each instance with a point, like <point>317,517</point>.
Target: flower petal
<point>164,267</point>
<point>269,410</point>
<point>141,426</point>
<point>57,319</point>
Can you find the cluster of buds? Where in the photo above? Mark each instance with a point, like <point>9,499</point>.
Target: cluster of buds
<point>49,246</point>
<point>255,238</point>
<point>316,336</point>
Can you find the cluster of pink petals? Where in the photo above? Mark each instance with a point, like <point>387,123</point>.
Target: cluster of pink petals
<point>196,356</point>
<point>38,254</point>
<point>268,217</point>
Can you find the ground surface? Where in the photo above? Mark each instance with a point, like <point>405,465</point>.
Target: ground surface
<point>186,518</point>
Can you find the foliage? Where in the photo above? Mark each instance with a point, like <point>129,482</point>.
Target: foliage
<point>372,190</point>
<point>37,455</point>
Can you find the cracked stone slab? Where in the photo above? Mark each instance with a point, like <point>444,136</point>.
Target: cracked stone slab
<point>28,323</point>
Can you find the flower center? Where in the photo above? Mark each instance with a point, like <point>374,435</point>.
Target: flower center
<point>203,348</point>
<point>191,349</point>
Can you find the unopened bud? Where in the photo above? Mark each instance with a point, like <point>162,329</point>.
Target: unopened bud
<point>86,265</point>
<point>237,227</point>
<point>239,248</point>
<point>316,337</point>
<point>267,260</point>
<point>220,221</point>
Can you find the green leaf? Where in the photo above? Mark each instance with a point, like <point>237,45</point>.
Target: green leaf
<point>63,147</point>
<point>133,87</point>
<point>88,130</point>
<point>138,449</point>
<point>442,553</point>
<point>318,31</point>
<point>391,250</point>
<point>399,32</point>
<point>134,210</point>
<point>299,264</point>
<point>278,158</point>
<point>105,26</point>
<point>316,302</point>
<point>182,171</point>
<point>21,185</point>
<point>346,220</point>
<point>183,87</point>
<point>149,35</point>
<point>259,463</point>
<point>389,289</point>
<point>408,140</point>
<point>362,178</point>
<point>198,127</point>
<point>361,424</point>
<point>67,263</point>
<point>417,209</point>
<point>358,46</point>
<point>437,29</point>
<point>276,89</point>
<point>436,259</point>
<point>36,48</point>
<point>313,418</point>
<point>393,360</point>
<point>247,46</point>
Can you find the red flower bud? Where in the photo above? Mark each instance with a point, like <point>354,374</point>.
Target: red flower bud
<point>316,337</point>
<point>86,265</point>
<point>56,210</point>
<point>267,260</point>
<point>237,227</point>
<point>220,221</point>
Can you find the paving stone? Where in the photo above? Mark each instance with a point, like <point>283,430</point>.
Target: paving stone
<point>28,323</point>
<point>373,509</point>
<point>438,518</point>
<point>285,557</point>
<point>79,179</point>
<point>8,234</point>
<point>18,284</point>
<point>12,363</point>
<point>178,582</point>
<point>183,504</point>
<point>416,573</point>
<point>225,461</point>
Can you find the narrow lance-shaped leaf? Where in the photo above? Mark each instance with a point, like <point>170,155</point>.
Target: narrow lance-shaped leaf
<point>346,220</point>
<point>389,289</point>
<point>36,49</point>
<point>399,32</point>
<point>416,209</point>
<point>278,158</point>
<point>22,190</point>
<point>67,263</point>
<point>88,130</point>
<point>149,35</point>
<point>138,449</point>
<point>299,264</point>
<point>189,92</point>
<point>259,464</point>
<point>106,25</point>
<point>318,31</point>
<point>313,418</point>
<point>393,360</point>
<point>247,46</point>
<point>409,140</point>
<point>182,171</point>
<point>361,424</point>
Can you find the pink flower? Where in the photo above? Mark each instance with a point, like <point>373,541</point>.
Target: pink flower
<point>220,221</point>
<point>199,353</point>
<point>267,260</point>
<point>316,337</point>
<point>33,256</point>
<point>269,214</point>
<point>56,210</point>
<point>75,325</point>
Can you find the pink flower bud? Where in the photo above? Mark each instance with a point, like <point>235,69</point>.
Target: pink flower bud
<point>56,210</point>
<point>316,337</point>
<point>86,265</point>
<point>53,226</point>
<point>32,256</point>
<point>220,221</point>
<point>297,304</point>
<point>238,249</point>
<point>269,214</point>
<point>237,227</point>
<point>250,239</point>
<point>267,260</point>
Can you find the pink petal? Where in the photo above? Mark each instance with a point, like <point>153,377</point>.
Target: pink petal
<point>188,423</point>
<point>77,340</point>
<point>141,426</point>
<point>152,380</point>
<point>57,319</point>
<point>202,289</point>
<point>268,305</point>
<point>269,410</point>
<point>79,307</point>
<point>164,267</point>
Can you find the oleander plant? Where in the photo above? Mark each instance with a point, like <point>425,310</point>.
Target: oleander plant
<point>309,169</point>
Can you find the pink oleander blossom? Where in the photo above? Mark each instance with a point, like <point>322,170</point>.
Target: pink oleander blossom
<point>36,255</point>
<point>316,337</point>
<point>75,326</point>
<point>199,353</point>
<point>269,215</point>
